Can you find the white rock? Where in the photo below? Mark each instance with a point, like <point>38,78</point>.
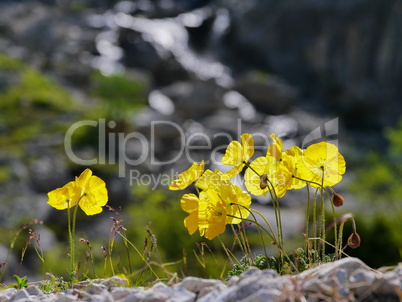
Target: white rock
<point>326,270</point>
<point>121,292</point>
<point>20,295</point>
<point>195,285</point>
<point>232,281</point>
<point>115,282</point>
<point>33,290</point>
<point>6,294</point>
<point>94,289</point>
<point>65,298</point>
<point>183,295</point>
<point>105,296</point>
<point>264,295</point>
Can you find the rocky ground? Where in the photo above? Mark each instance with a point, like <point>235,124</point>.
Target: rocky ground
<point>348,279</point>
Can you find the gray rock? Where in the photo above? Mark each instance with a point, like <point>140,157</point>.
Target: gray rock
<point>65,298</point>
<point>115,282</point>
<point>6,294</point>
<point>102,297</point>
<point>195,285</point>
<point>33,290</point>
<point>327,269</point>
<point>20,295</point>
<point>270,94</point>
<point>94,289</point>
<point>119,293</point>
<point>133,297</point>
<point>264,295</point>
<point>152,296</point>
<point>183,295</point>
<point>195,99</point>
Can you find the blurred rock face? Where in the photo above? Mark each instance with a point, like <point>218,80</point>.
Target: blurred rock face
<point>343,57</point>
<point>346,54</point>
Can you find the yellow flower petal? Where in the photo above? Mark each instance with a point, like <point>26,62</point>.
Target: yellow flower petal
<point>290,159</point>
<point>187,177</point>
<point>95,195</point>
<point>322,164</point>
<point>63,198</point>
<point>189,203</point>
<point>211,214</point>
<point>234,154</point>
<point>191,222</point>
<point>258,167</point>
<point>233,172</point>
<point>211,179</point>
<point>237,154</point>
<point>248,146</point>
<point>238,203</point>
<point>277,174</point>
<point>275,149</point>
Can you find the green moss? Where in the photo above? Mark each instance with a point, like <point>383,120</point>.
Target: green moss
<point>121,95</point>
<point>8,63</point>
<point>31,105</point>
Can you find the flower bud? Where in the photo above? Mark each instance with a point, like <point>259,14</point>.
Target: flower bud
<point>354,240</point>
<point>263,181</point>
<point>337,200</point>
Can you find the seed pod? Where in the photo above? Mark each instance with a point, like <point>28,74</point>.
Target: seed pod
<point>263,181</point>
<point>337,200</point>
<point>354,240</point>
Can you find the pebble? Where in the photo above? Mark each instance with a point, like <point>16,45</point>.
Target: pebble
<point>348,279</point>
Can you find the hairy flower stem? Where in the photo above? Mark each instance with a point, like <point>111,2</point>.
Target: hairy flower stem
<point>307,217</point>
<point>71,234</point>
<point>322,215</point>
<point>322,223</point>
<point>71,241</point>
<point>277,210</point>
<point>315,219</point>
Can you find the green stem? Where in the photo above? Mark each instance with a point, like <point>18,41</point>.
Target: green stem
<point>277,210</point>
<point>322,223</point>
<point>71,241</point>
<point>315,219</point>
<point>338,247</point>
<point>71,233</point>
<point>322,214</point>
<point>307,217</point>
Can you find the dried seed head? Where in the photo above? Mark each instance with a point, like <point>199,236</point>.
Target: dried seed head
<point>337,200</point>
<point>263,181</point>
<point>354,240</point>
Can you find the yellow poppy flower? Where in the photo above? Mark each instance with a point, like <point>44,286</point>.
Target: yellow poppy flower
<point>290,160</point>
<point>229,192</point>
<point>187,177</point>
<point>275,172</point>
<point>214,208</point>
<point>237,154</point>
<point>238,202</point>
<point>63,198</point>
<point>88,191</point>
<point>322,164</point>
<point>92,192</point>
<point>212,214</point>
